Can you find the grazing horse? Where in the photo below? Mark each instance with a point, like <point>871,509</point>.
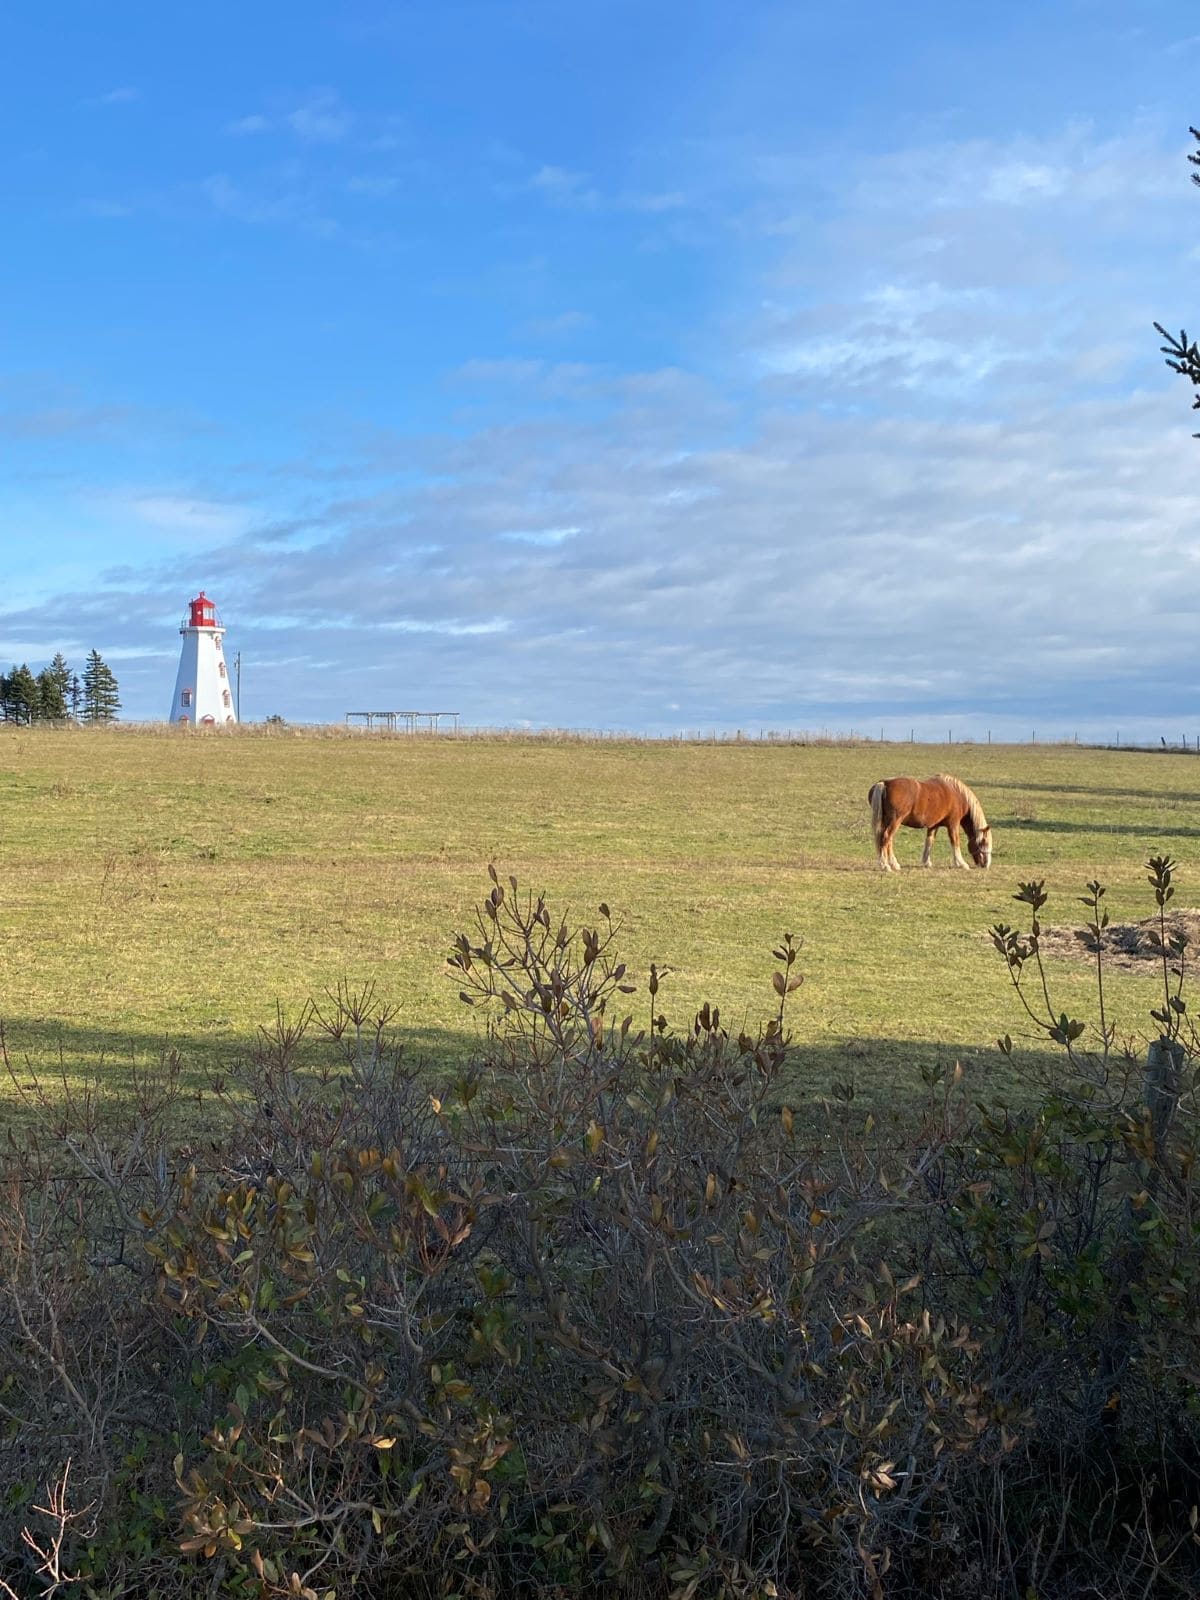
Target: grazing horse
<point>941,802</point>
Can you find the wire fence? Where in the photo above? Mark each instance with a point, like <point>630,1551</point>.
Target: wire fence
<point>972,734</point>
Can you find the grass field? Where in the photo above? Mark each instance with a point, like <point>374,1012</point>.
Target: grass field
<point>165,888</point>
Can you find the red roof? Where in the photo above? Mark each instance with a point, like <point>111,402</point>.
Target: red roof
<point>202,612</point>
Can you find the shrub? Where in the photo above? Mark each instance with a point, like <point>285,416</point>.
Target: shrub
<point>603,1313</point>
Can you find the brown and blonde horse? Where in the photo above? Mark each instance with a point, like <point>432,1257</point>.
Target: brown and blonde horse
<point>941,802</point>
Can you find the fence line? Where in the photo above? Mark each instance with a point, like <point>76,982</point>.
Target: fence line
<point>972,736</point>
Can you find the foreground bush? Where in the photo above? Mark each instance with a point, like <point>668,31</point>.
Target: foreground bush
<point>602,1314</point>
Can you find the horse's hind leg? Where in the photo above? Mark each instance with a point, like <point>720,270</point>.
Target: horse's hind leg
<point>881,848</point>
<point>883,840</point>
<point>887,852</point>
<point>927,857</point>
<point>883,823</point>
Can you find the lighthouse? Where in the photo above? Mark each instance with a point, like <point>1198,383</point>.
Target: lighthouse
<point>202,694</point>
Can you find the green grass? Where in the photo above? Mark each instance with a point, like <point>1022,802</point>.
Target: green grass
<point>159,888</point>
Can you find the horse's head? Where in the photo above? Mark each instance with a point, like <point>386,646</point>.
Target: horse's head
<point>981,848</point>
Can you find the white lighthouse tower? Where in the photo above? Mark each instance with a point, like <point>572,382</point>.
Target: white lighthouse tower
<point>202,694</point>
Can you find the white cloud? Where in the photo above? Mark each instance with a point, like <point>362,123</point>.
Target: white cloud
<point>1015,181</point>
<point>665,200</point>
<point>991,272</point>
<point>548,379</point>
<point>451,628</point>
<point>39,420</point>
<point>107,210</point>
<point>282,205</point>
<point>1082,165</point>
<point>543,536</point>
<point>565,187</point>
<point>182,515</point>
<point>817,567</point>
<point>373,187</point>
<point>576,190</point>
<point>321,119</point>
<point>559,324</point>
<point>242,126</point>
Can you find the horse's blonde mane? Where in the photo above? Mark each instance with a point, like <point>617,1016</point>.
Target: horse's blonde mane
<point>974,809</point>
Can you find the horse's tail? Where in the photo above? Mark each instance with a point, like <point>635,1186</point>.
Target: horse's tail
<point>877,796</point>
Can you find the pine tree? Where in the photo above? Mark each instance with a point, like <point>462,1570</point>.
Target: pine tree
<point>60,674</point>
<point>101,701</point>
<point>75,695</point>
<point>1183,355</point>
<point>23,695</point>
<point>51,705</point>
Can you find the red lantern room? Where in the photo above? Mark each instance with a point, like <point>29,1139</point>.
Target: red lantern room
<point>203,612</point>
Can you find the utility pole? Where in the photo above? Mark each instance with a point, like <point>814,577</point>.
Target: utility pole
<point>237,684</point>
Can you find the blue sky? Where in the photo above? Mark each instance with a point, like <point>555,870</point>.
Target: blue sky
<point>648,366</point>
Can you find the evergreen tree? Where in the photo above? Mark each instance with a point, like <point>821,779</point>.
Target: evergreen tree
<point>60,674</point>
<point>1183,355</point>
<point>75,695</point>
<point>51,704</point>
<point>23,697</point>
<point>101,701</point>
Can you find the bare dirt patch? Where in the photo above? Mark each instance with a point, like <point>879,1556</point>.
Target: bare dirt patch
<point>1128,946</point>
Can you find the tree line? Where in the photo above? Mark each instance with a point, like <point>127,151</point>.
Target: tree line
<point>58,694</point>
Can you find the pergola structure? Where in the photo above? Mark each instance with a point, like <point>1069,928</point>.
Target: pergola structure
<point>409,721</point>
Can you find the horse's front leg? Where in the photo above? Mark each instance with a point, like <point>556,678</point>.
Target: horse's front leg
<point>927,856</point>
<point>952,830</point>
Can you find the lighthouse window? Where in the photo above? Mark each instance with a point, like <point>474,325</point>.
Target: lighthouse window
<point>225,697</point>
<point>221,668</point>
<point>185,699</point>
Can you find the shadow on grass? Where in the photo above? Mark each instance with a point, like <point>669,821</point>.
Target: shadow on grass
<point>49,1059</point>
<point>1092,791</point>
<point>886,1076</point>
<point>1151,830</point>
